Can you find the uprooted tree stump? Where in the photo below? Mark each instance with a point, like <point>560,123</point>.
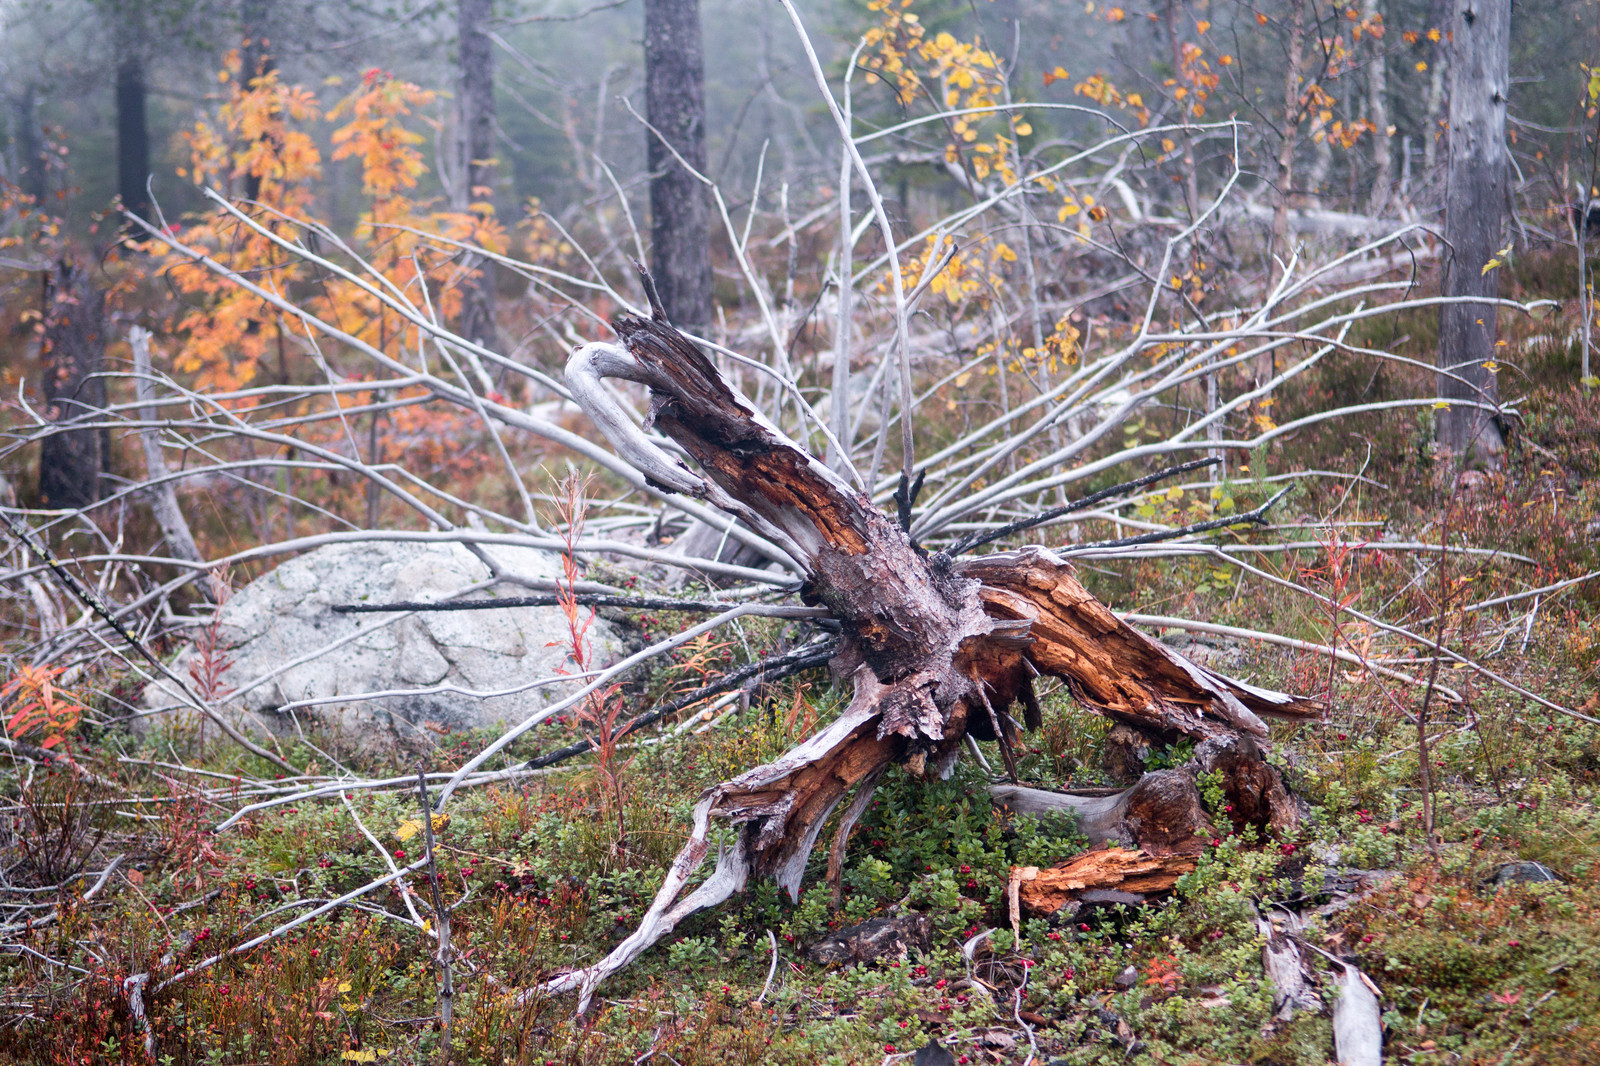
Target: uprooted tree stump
<point>935,648</point>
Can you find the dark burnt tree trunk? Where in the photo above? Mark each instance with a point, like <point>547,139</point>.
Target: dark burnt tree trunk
<point>935,649</point>
<point>1475,211</point>
<point>255,60</point>
<point>133,136</point>
<point>72,354</point>
<point>674,72</point>
<point>475,162</point>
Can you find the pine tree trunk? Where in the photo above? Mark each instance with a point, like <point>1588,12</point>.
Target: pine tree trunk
<point>1475,203</point>
<point>675,95</point>
<point>475,162</point>
<point>73,356</point>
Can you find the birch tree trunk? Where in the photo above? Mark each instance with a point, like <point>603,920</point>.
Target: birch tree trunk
<point>1475,203</point>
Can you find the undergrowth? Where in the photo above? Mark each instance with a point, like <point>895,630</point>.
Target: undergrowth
<point>1481,957</point>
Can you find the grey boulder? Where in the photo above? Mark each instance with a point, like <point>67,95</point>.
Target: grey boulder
<point>386,677</point>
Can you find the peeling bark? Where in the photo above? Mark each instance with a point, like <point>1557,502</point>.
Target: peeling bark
<point>935,649</point>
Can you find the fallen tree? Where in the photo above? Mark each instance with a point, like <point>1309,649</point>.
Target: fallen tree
<point>935,648</point>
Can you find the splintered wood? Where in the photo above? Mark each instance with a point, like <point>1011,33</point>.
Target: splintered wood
<point>1106,875</point>
<point>934,649</point>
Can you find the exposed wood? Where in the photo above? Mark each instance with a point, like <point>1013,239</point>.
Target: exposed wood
<point>1114,667</point>
<point>1162,814</point>
<point>1103,875</point>
<point>163,499</point>
<point>935,650</point>
<point>1285,966</point>
<point>1357,1020</point>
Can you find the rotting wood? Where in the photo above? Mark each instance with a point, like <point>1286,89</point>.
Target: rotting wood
<point>934,648</point>
<point>1285,965</point>
<point>1104,875</point>
<point>1357,1019</point>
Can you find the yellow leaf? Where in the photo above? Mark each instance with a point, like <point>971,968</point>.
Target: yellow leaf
<point>1492,367</point>
<point>1202,26</point>
<point>1490,265</point>
<point>344,986</point>
<point>1433,35</point>
<point>366,1054</point>
<point>962,379</point>
<point>1174,493</point>
<point>1023,129</point>
<point>1438,404</point>
<point>1167,144</point>
<point>1421,65</point>
<point>412,826</point>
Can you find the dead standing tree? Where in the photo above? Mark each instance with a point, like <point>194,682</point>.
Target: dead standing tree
<point>936,649</point>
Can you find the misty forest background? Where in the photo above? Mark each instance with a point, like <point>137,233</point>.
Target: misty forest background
<point>1272,320</point>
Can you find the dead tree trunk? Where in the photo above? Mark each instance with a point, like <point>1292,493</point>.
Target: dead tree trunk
<point>30,165</point>
<point>255,61</point>
<point>72,353</point>
<point>674,74</point>
<point>1378,112</point>
<point>935,648</point>
<point>133,133</point>
<point>475,164</point>
<point>1474,223</point>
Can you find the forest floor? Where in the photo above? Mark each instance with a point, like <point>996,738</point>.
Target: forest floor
<point>1480,957</point>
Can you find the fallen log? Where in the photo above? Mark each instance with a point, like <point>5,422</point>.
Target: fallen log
<point>935,648</point>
